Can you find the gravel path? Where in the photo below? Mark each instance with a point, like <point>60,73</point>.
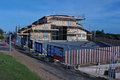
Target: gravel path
<point>44,70</point>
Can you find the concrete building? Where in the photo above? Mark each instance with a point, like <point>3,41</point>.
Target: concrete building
<point>56,27</point>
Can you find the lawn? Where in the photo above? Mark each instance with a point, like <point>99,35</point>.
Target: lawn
<point>11,69</point>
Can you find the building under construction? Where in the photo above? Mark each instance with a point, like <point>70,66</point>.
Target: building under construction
<point>53,34</point>
<point>56,27</point>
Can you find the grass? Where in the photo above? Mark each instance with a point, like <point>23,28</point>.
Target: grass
<point>11,69</point>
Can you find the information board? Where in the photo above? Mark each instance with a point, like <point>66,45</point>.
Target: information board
<point>38,47</point>
<point>54,51</point>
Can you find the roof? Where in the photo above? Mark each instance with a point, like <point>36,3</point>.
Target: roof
<point>85,30</point>
<point>26,27</point>
<point>74,44</point>
<point>76,18</point>
<point>66,17</point>
<point>55,16</point>
<point>60,15</point>
<point>39,19</point>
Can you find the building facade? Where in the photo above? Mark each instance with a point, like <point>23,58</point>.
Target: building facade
<point>56,27</point>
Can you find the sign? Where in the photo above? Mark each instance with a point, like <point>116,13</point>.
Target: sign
<point>58,51</point>
<point>50,50</point>
<point>38,47</point>
<point>30,43</point>
<point>54,51</point>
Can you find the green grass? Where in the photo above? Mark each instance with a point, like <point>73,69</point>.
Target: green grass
<point>11,69</point>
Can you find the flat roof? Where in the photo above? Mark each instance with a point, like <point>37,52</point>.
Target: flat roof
<point>76,44</point>
<point>72,44</point>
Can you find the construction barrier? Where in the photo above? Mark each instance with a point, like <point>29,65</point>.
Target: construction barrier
<point>90,56</point>
<point>55,52</point>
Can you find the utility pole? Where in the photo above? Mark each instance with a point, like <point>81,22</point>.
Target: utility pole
<point>10,44</point>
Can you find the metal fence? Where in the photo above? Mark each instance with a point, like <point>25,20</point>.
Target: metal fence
<point>90,56</point>
<point>110,41</point>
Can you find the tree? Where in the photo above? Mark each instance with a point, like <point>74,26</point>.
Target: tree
<point>100,33</point>
<point>1,31</point>
<point>1,34</point>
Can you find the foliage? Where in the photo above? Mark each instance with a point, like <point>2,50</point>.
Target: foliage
<point>107,35</point>
<point>1,37</point>
<point>1,34</point>
<point>100,33</point>
<point>1,31</point>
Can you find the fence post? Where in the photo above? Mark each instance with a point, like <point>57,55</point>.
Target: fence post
<point>69,62</point>
<point>74,58</point>
<point>77,57</point>
<point>85,56</point>
<point>66,57</point>
<point>80,56</point>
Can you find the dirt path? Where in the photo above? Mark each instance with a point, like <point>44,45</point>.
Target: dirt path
<point>44,70</point>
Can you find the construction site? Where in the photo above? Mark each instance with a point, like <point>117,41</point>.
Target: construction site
<point>60,38</point>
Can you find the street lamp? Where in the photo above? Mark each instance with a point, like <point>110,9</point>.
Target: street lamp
<point>10,44</point>
<point>33,28</point>
<point>27,41</point>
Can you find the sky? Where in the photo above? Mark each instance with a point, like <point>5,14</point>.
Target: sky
<point>99,14</point>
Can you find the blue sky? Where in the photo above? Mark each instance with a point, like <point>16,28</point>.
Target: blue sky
<point>100,14</point>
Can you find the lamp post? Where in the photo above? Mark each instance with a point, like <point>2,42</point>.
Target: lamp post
<point>94,34</point>
<point>33,28</point>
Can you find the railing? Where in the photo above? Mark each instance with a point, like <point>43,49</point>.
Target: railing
<point>90,56</point>
<point>110,41</point>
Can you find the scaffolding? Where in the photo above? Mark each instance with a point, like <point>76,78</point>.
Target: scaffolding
<point>112,66</point>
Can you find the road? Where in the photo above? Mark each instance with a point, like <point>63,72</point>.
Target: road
<point>48,71</point>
